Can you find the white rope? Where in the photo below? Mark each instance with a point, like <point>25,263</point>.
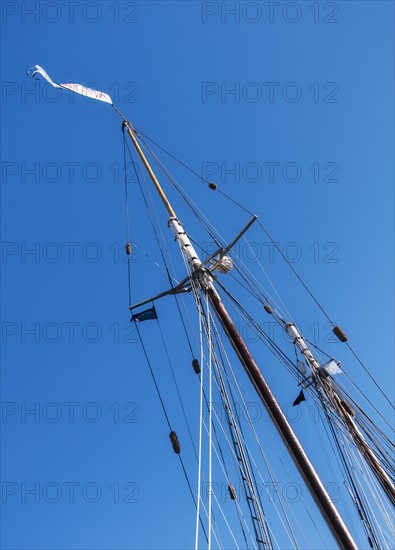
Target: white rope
<point>373,486</point>
<point>200,432</point>
<point>210,414</point>
<point>208,512</point>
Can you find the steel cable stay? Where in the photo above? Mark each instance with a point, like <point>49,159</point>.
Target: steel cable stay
<point>200,435</point>
<point>246,473</point>
<point>223,466</point>
<point>227,477</point>
<point>222,463</point>
<point>210,413</point>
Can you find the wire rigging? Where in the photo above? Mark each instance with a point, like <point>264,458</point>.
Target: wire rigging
<point>303,283</point>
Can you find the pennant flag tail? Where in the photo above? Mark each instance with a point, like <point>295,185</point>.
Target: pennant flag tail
<point>77,88</point>
<point>299,399</point>
<point>145,315</point>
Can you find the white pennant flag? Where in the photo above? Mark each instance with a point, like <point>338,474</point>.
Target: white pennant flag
<point>77,88</point>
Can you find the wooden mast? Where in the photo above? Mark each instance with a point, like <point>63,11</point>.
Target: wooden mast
<point>306,469</point>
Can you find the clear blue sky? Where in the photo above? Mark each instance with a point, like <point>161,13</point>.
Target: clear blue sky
<point>305,140</point>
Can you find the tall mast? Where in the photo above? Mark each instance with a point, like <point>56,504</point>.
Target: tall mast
<point>205,281</point>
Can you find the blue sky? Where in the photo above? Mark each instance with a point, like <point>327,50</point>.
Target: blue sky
<point>290,111</point>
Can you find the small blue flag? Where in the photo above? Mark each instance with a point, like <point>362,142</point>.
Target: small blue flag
<point>145,315</point>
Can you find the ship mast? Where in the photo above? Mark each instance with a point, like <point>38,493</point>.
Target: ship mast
<point>204,280</point>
